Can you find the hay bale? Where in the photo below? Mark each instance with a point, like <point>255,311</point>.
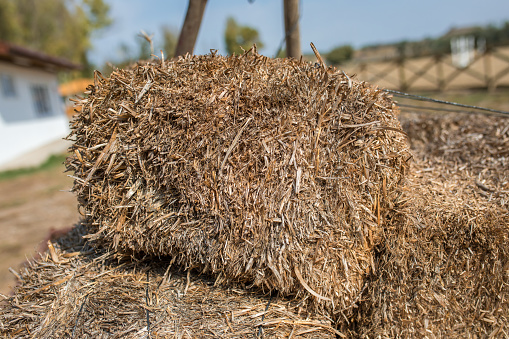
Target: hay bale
<point>443,268</point>
<point>455,143</point>
<point>267,173</point>
<point>443,263</point>
<point>74,292</point>
<point>440,264</point>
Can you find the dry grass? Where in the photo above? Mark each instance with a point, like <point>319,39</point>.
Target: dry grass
<point>443,265</point>
<point>74,291</point>
<point>264,173</point>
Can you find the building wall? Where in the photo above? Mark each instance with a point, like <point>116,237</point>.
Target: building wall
<point>21,106</point>
<point>23,127</point>
<point>19,138</point>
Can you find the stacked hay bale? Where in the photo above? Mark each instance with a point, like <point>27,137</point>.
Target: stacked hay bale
<point>444,269</point>
<point>267,173</point>
<point>444,266</point>
<point>474,148</point>
<point>75,292</point>
<point>279,175</point>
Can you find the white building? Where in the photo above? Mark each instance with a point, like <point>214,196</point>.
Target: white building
<point>31,109</point>
<point>465,47</point>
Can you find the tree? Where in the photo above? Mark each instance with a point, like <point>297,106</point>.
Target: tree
<point>494,35</point>
<point>62,28</point>
<point>191,27</point>
<point>238,38</point>
<point>281,54</point>
<point>402,48</point>
<point>340,54</point>
<point>166,41</point>
<point>292,33</point>
<point>10,30</point>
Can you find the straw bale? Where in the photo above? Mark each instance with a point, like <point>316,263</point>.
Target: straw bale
<point>441,268</point>
<point>443,264</point>
<point>474,145</point>
<point>73,291</point>
<point>267,173</point>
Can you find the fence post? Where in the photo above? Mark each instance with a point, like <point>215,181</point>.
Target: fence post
<point>403,86</point>
<point>440,72</point>
<point>488,76</point>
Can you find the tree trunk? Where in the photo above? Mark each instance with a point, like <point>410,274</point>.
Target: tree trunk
<point>191,27</point>
<point>291,9</point>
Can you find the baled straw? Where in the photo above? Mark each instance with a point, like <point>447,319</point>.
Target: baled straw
<point>75,292</point>
<point>441,266</point>
<point>267,173</point>
<point>443,263</point>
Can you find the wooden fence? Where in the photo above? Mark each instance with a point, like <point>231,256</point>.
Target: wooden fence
<point>487,70</point>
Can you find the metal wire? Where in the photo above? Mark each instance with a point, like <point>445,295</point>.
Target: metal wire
<point>147,301</point>
<point>260,328</point>
<point>422,98</point>
<point>78,315</point>
<point>441,109</point>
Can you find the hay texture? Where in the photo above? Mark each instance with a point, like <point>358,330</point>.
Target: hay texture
<point>270,173</point>
<point>440,267</point>
<point>443,263</point>
<point>73,291</point>
<point>443,267</point>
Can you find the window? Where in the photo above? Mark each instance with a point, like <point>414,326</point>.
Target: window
<point>7,85</point>
<point>40,96</point>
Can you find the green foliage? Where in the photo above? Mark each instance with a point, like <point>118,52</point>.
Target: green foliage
<point>61,28</point>
<point>165,40</point>
<point>402,48</point>
<point>425,47</point>
<point>144,49</point>
<point>169,41</point>
<point>10,30</point>
<point>494,35</point>
<point>96,13</point>
<point>52,162</point>
<point>340,54</point>
<point>490,36</point>
<point>238,38</point>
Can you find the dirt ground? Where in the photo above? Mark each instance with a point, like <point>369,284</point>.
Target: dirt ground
<point>31,208</point>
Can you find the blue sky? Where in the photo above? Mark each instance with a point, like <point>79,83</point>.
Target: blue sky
<point>326,23</point>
